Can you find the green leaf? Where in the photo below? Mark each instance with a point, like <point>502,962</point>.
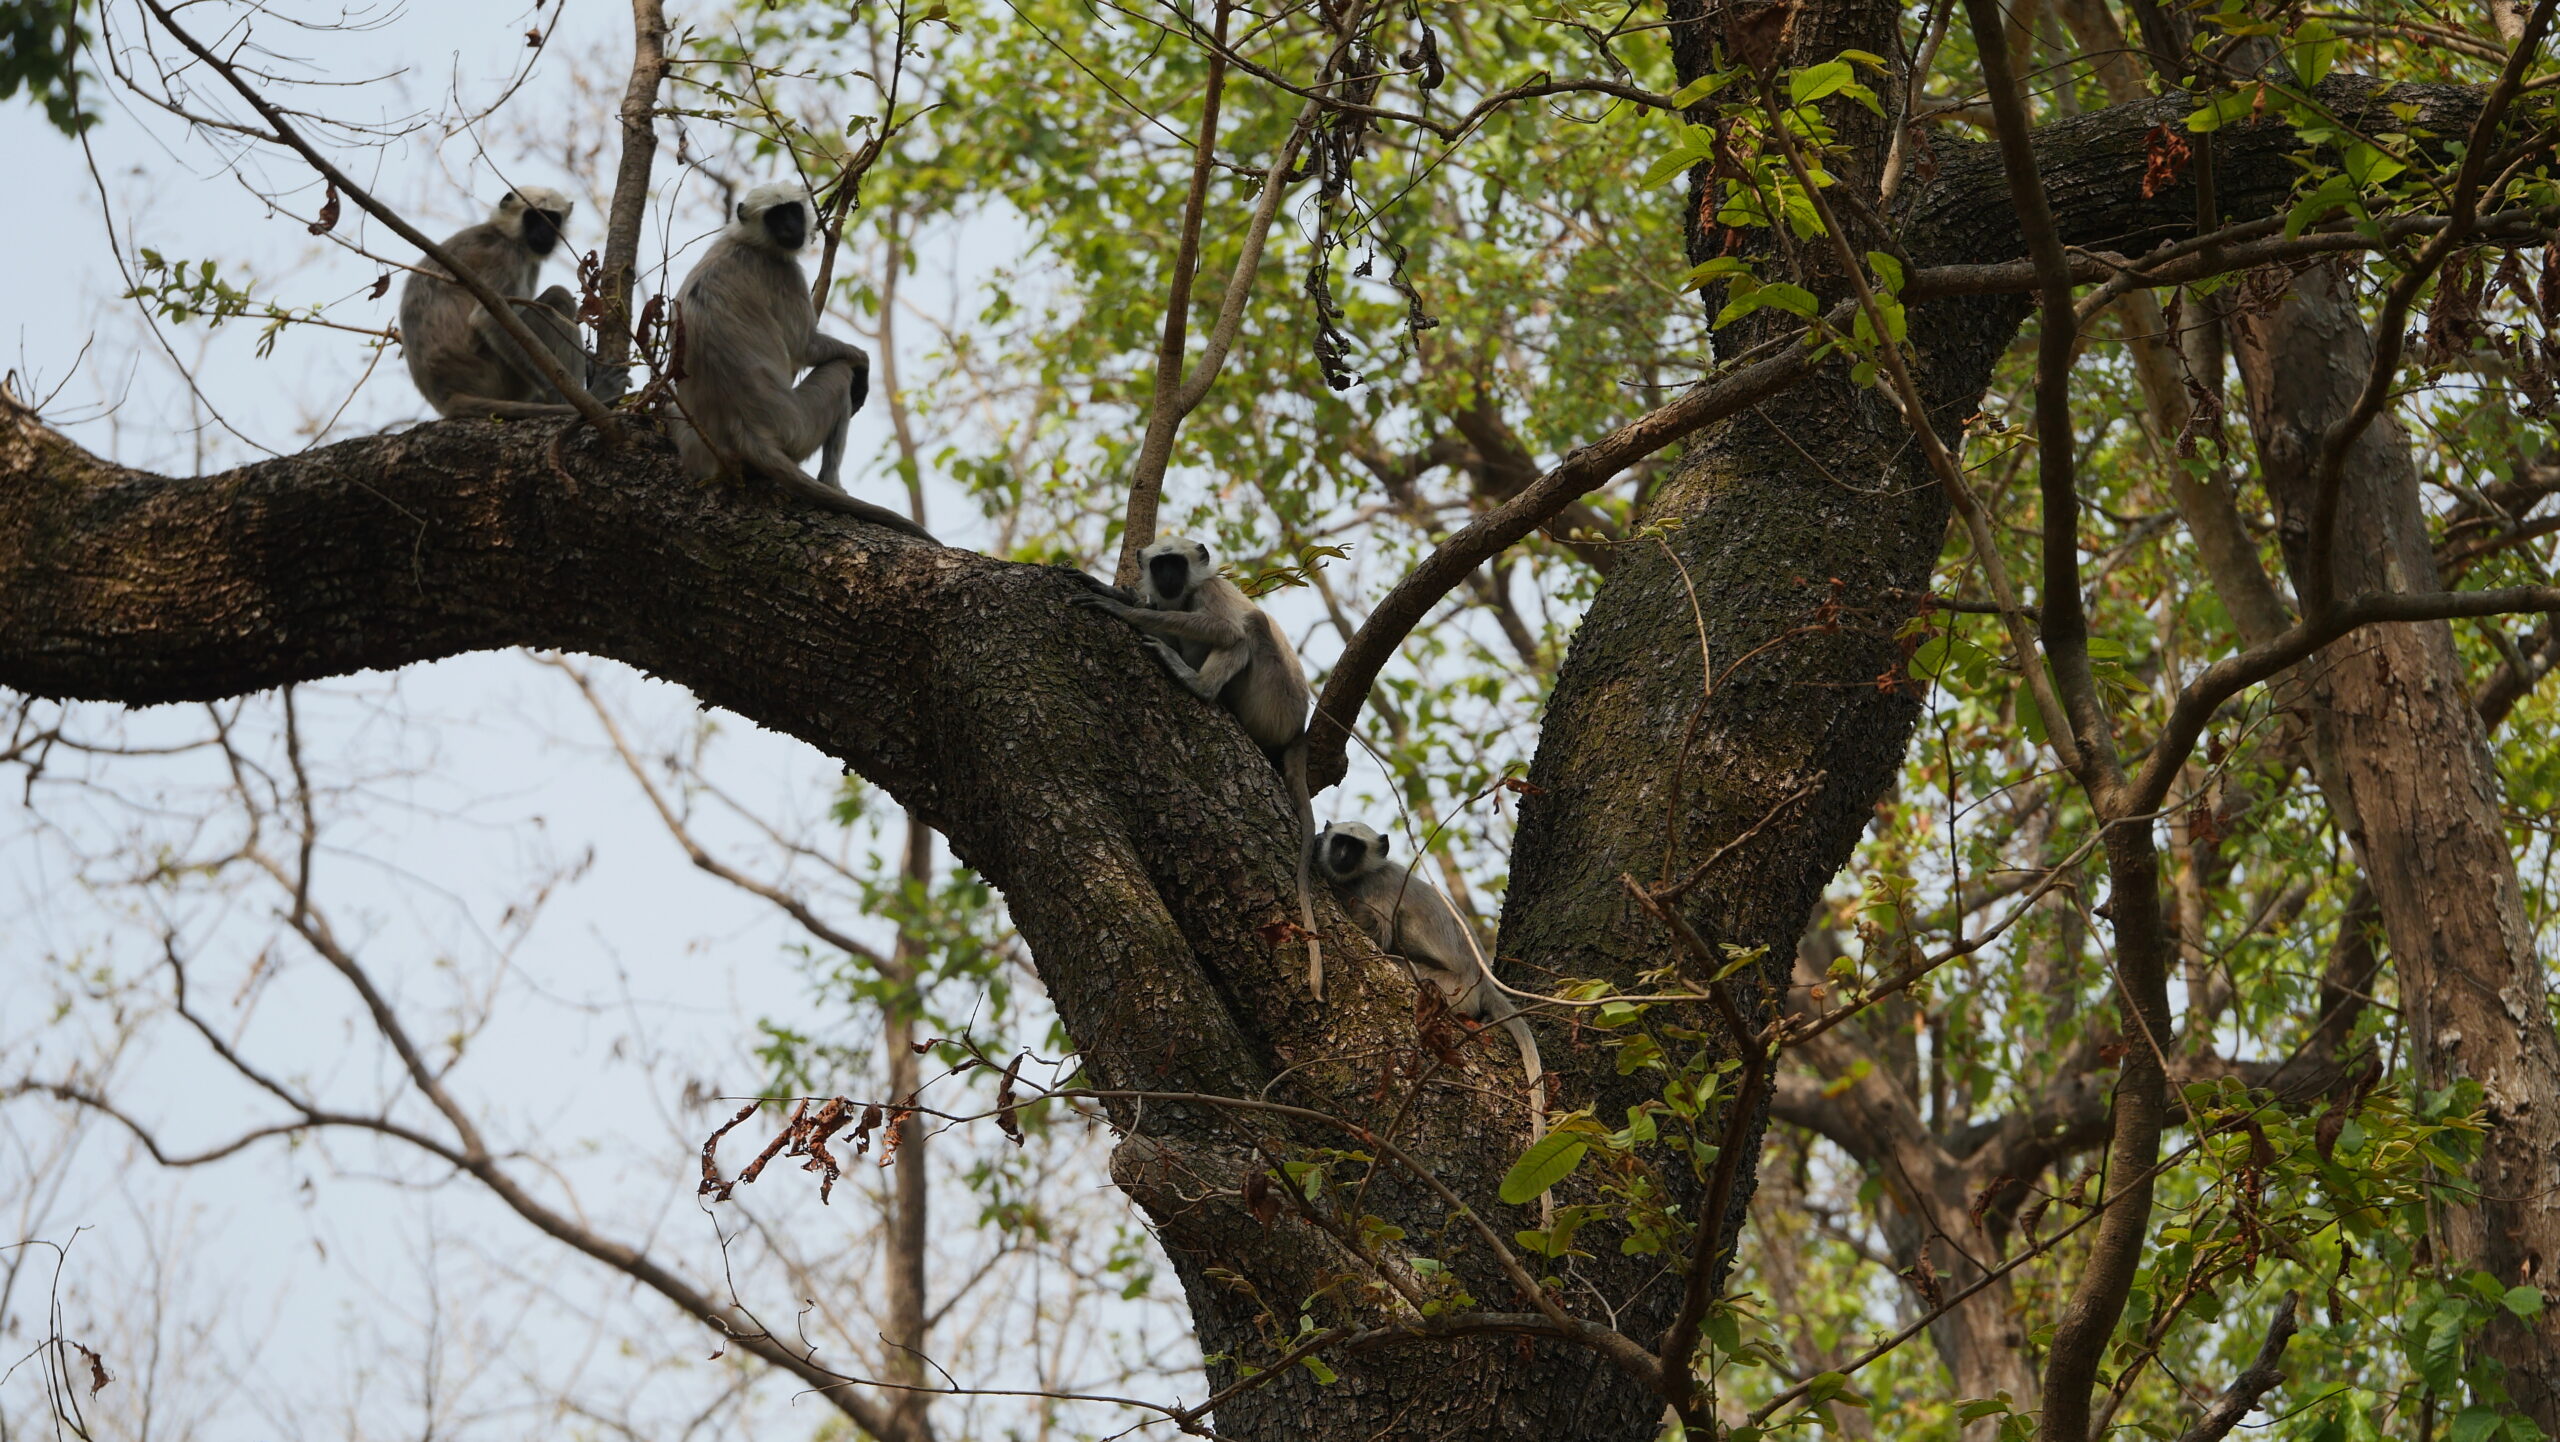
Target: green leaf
<point>1695,143</point>
<point>2525,1302</point>
<point>2316,206</point>
<point>2222,110</point>
<point>1831,1386</point>
<point>2367,166</point>
<point>1721,268</point>
<point>1549,1161</point>
<point>1977,1410</point>
<point>1702,87</point>
<point>1324,1374</point>
<point>2315,51</point>
<point>1888,271</point>
<point>1794,299</point>
<point>1816,82</point>
<point>2475,1423</point>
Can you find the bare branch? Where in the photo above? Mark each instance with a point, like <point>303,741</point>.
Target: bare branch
<point>639,116</point>
<point>1172,404</point>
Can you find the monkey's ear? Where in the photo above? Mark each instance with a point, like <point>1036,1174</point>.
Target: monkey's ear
<point>742,212</point>
<point>1386,844</point>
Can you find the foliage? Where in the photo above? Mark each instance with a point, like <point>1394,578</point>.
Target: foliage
<point>40,43</point>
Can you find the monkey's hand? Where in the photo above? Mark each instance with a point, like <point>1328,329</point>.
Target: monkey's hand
<point>1098,592</point>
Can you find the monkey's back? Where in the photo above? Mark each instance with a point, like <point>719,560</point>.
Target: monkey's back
<point>1273,715</point>
<point>1408,916</point>
<point>747,323</point>
<point>445,356</point>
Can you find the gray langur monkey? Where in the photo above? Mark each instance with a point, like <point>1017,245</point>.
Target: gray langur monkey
<point>1227,650</point>
<point>747,327</point>
<point>1408,917</point>
<point>461,361</point>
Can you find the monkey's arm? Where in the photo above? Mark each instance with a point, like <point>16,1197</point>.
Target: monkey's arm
<point>1211,676</point>
<point>1205,628</point>
<point>823,348</point>
<point>1101,588</point>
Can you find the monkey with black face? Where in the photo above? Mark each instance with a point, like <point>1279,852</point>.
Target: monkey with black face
<point>747,327</point>
<point>461,361</point>
<point>1408,917</point>
<point>1226,650</point>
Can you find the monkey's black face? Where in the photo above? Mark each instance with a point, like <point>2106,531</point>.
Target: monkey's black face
<point>1170,575</point>
<point>542,229</point>
<point>1343,855</point>
<point>787,225</point>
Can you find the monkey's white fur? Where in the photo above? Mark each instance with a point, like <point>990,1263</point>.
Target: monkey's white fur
<point>1227,650</point>
<point>461,361</point>
<point>748,328</point>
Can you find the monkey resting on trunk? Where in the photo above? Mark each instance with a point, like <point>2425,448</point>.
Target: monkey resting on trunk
<point>1408,917</point>
<point>1225,649</point>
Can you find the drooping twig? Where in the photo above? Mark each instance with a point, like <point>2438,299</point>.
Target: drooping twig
<point>2391,326</point>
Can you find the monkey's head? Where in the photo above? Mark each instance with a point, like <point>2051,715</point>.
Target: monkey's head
<point>1346,849</point>
<point>777,215</point>
<point>1175,566</point>
<point>535,215</point>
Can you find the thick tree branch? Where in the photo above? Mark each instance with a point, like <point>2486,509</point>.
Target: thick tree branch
<point>964,686</point>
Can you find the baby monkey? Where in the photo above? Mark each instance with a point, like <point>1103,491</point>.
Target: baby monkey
<point>1225,649</point>
<point>1408,917</point>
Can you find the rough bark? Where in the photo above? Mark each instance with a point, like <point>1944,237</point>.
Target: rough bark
<point>2422,810</point>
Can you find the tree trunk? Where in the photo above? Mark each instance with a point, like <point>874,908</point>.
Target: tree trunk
<point>2422,809</point>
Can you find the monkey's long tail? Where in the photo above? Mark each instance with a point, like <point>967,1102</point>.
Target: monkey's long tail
<point>832,499</point>
<point>1528,1044</point>
<point>1294,764</point>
